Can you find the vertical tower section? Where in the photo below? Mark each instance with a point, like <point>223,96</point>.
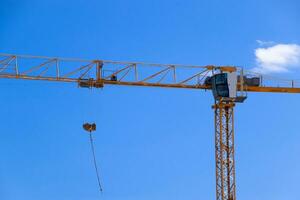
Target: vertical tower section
<point>224,150</point>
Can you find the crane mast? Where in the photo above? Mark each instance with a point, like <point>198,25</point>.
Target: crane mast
<point>224,150</point>
<point>98,73</point>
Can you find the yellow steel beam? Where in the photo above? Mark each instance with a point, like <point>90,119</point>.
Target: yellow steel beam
<point>164,85</point>
<point>272,89</point>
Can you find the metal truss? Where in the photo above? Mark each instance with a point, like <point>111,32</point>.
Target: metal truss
<point>96,73</point>
<point>224,151</point>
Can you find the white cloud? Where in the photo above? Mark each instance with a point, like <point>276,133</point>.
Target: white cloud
<point>277,58</point>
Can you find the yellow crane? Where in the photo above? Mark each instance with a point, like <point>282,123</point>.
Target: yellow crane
<point>229,84</point>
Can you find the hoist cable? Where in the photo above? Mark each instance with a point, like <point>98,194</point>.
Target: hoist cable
<point>95,162</point>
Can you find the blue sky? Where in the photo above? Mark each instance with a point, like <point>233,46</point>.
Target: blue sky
<point>151,143</point>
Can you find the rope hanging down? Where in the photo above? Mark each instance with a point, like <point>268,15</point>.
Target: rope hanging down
<point>90,128</point>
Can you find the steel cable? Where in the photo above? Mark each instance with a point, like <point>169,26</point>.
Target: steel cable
<point>95,162</point>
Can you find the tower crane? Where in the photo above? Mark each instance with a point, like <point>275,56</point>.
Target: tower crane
<point>229,85</point>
